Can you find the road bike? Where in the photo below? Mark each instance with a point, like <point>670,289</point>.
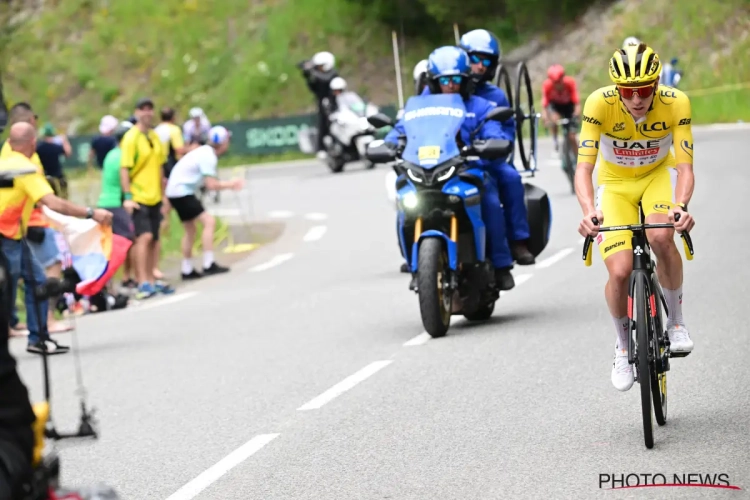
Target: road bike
<point>648,342</point>
<point>569,157</point>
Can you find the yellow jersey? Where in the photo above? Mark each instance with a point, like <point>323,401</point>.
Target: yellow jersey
<point>38,218</point>
<point>631,148</point>
<point>16,203</point>
<point>143,155</point>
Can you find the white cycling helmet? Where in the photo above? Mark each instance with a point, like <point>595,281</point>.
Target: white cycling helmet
<point>195,113</point>
<point>324,59</point>
<point>217,135</point>
<point>338,83</point>
<point>631,40</point>
<point>420,68</point>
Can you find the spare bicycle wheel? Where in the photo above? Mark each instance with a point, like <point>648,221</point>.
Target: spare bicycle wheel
<point>526,120</point>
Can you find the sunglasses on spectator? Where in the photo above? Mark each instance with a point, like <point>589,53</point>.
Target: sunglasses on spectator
<point>447,80</point>
<point>642,92</point>
<point>475,59</point>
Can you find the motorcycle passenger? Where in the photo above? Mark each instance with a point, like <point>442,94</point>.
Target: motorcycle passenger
<point>318,73</point>
<point>449,71</point>
<point>338,86</point>
<point>484,53</point>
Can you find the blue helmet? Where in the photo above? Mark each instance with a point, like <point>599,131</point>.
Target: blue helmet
<point>449,61</point>
<point>483,45</point>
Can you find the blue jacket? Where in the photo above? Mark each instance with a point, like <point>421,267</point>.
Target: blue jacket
<point>476,109</point>
<point>497,97</point>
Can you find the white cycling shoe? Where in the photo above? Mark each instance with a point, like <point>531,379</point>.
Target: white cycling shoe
<point>679,339</point>
<point>622,371</point>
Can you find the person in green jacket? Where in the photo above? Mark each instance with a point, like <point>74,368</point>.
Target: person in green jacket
<point>111,199</point>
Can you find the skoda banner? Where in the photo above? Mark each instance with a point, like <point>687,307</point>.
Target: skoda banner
<point>249,138</point>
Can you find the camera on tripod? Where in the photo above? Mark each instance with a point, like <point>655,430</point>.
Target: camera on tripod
<point>54,287</point>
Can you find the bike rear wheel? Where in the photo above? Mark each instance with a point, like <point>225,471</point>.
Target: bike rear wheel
<point>661,359</point>
<point>643,338</point>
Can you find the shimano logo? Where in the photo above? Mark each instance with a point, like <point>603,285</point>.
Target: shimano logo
<point>434,111</point>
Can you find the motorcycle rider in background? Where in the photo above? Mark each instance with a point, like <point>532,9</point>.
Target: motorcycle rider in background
<point>484,53</point>
<point>319,72</point>
<point>449,71</point>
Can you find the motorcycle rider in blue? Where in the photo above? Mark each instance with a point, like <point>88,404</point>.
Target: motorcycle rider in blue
<point>449,71</point>
<point>484,53</point>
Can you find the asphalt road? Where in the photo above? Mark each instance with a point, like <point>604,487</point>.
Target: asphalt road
<point>304,374</point>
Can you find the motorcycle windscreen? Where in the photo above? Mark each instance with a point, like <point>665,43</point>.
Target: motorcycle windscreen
<point>352,101</point>
<point>431,123</point>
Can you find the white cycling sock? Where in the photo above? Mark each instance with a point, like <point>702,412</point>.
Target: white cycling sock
<point>622,325</point>
<point>187,266</point>
<point>674,304</point>
<point>208,259</point>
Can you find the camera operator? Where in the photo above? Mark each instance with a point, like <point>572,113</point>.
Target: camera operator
<point>318,73</point>
<point>16,204</point>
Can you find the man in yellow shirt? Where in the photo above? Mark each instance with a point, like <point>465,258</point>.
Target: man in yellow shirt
<point>142,178</point>
<point>16,204</point>
<point>40,236</point>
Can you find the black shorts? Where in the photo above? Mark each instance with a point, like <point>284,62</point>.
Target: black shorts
<point>187,207</point>
<point>122,223</point>
<point>564,110</point>
<point>147,219</point>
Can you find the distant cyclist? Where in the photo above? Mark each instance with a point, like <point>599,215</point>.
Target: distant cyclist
<point>632,126</point>
<point>560,100</point>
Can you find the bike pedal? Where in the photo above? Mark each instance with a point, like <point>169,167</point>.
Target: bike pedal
<point>679,354</point>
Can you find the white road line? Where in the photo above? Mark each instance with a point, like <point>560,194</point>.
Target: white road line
<point>200,483</point>
<point>169,300</point>
<point>280,214</point>
<point>316,216</point>
<point>554,259</point>
<point>418,340</point>
<point>345,385</point>
<point>275,261</point>
<point>315,233</point>
<point>520,280</point>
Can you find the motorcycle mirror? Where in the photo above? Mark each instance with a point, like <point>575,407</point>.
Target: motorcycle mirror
<point>500,114</point>
<point>380,120</point>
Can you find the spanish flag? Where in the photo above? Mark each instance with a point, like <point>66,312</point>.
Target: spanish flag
<point>96,252</point>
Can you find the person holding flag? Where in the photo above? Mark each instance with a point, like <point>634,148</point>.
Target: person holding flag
<point>16,204</point>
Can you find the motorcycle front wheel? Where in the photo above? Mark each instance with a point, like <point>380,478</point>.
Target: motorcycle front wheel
<point>434,294</point>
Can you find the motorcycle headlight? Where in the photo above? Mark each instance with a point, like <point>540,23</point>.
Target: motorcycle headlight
<point>447,175</point>
<point>413,175</point>
<point>409,200</point>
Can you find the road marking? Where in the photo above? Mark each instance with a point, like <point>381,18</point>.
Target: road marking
<point>554,259</point>
<point>418,340</point>
<point>169,300</point>
<point>345,385</point>
<point>315,233</point>
<point>316,216</point>
<point>520,280</point>
<point>280,214</point>
<point>203,481</point>
<point>275,261</point>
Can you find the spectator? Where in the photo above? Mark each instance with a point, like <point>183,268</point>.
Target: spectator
<point>103,143</point>
<point>141,169</point>
<point>15,209</point>
<point>195,130</point>
<point>174,144</point>
<point>670,74</point>
<point>196,167</point>
<point>110,199</point>
<point>50,149</point>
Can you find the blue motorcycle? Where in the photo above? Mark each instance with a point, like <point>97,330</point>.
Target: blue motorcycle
<point>440,225</point>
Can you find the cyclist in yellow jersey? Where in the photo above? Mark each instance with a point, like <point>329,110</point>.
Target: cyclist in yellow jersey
<point>631,126</point>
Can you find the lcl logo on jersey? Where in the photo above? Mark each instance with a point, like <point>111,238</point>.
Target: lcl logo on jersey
<point>654,127</point>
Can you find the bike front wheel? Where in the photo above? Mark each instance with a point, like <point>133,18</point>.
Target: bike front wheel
<point>643,337</point>
<point>661,358</point>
